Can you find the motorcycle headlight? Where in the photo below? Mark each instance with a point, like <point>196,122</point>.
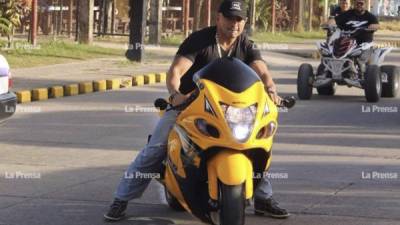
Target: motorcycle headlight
<point>240,120</point>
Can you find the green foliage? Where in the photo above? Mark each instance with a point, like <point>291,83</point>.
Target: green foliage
<point>10,17</point>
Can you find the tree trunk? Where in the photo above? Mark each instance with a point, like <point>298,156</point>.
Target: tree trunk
<point>197,14</point>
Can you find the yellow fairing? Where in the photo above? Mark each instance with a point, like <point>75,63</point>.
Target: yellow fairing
<point>173,187</point>
<point>231,168</point>
<point>216,95</point>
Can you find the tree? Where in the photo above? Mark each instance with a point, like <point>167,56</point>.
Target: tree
<point>10,17</point>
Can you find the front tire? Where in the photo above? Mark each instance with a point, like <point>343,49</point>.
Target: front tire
<point>233,204</point>
<point>305,78</point>
<point>390,88</point>
<point>373,84</point>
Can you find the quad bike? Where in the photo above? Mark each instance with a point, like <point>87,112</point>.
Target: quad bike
<point>223,136</point>
<point>341,65</point>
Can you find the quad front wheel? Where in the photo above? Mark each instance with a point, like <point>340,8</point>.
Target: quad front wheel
<point>390,81</point>
<point>372,83</point>
<point>305,78</point>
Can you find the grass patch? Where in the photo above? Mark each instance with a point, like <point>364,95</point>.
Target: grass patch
<point>287,37</point>
<point>174,40</point>
<point>260,37</point>
<point>22,54</point>
<point>392,26</point>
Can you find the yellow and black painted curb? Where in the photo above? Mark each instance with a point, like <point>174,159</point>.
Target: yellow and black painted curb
<point>58,91</point>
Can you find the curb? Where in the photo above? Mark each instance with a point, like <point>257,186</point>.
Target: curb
<point>53,92</point>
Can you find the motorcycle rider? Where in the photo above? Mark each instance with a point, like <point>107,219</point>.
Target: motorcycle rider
<point>344,6</point>
<point>199,49</point>
<point>356,18</point>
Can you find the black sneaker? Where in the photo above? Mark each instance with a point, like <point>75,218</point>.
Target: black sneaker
<point>269,207</point>
<point>116,211</point>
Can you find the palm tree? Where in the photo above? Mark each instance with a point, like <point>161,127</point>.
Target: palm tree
<point>10,17</point>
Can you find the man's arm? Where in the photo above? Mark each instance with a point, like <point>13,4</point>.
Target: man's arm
<point>179,67</point>
<point>373,23</point>
<point>262,70</point>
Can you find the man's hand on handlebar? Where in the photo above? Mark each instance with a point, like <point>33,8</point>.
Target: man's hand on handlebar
<point>274,95</point>
<point>178,98</point>
<point>373,27</point>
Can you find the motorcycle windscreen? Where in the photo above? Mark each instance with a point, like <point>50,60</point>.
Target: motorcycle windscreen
<point>230,73</point>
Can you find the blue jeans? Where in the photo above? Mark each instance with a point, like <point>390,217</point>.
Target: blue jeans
<point>148,164</point>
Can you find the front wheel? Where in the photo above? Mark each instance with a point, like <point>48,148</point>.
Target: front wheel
<point>305,78</point>
<point>232,204</point>
<point>372,84</point>
<point>390,81</point>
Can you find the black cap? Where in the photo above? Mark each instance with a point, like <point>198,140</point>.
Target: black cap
<point>232,8</point>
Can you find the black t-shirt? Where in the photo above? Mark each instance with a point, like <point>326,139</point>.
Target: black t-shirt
<point>201,48</point>
<point>350,20</point>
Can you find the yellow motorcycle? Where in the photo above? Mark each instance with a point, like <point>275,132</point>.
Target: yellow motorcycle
<point>221,143</point>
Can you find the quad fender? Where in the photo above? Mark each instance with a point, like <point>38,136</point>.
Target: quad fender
<point>231,168</point>
<point>378,55</point>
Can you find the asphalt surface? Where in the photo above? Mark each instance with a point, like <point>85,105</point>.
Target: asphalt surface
<point>67,155</point>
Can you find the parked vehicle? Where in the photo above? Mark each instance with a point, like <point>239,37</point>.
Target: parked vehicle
<point>8,100</point>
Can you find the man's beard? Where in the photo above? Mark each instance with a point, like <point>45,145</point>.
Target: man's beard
<point>360,12</point>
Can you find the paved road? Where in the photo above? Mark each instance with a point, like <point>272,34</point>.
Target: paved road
<point>72,152</point>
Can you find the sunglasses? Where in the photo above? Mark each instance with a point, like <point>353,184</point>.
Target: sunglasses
<point>360,3</point>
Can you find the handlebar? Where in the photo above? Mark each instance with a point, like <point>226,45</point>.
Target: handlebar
<point>288,102</point>
<point>162,104</point>
<point>354,32</point>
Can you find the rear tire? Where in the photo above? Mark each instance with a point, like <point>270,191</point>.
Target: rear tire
<point>391,88</point>
<point>172,201</point>
<point>305,78</point>
<point>373,84</point>
<point>233,204</point>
